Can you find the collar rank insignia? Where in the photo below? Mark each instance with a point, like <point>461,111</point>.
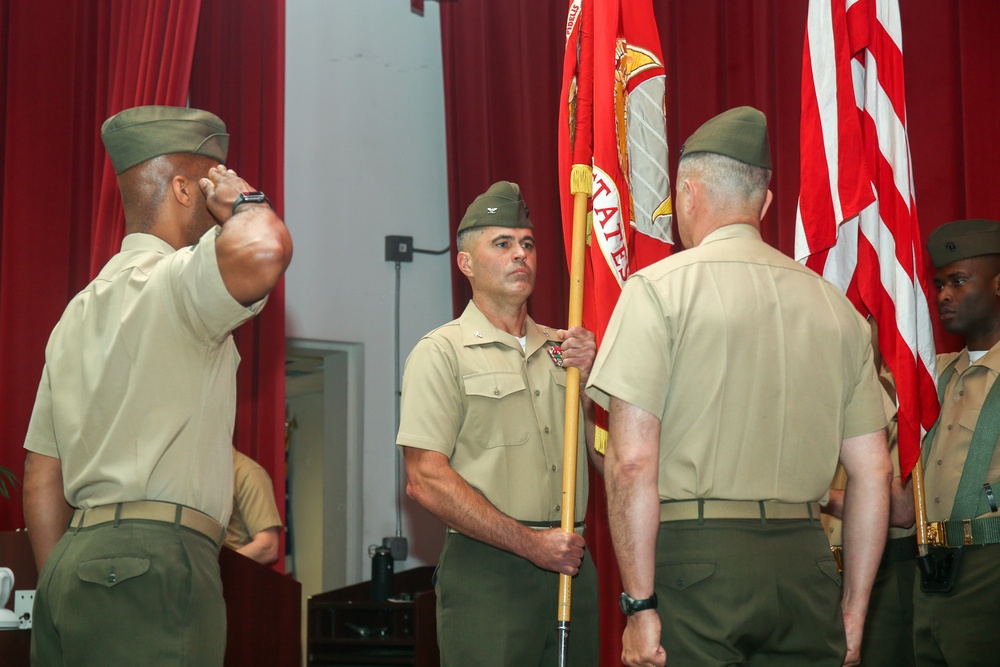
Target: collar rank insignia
<point>491,209</point>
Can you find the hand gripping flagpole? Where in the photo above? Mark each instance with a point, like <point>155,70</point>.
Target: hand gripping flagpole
<point>581,185</point>
<point>920,505</point>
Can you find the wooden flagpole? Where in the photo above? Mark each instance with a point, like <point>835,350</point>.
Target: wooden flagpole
<point>581,188</point>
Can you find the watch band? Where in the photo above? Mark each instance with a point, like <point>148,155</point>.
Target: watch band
<point>251,198</point>
<point>630,605</point>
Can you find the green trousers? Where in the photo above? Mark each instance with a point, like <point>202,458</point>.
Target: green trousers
<point>888,638</point>
<point>140,593</point>
<point>959,630</point>
<point>748,592</point>
<point>495,609</point>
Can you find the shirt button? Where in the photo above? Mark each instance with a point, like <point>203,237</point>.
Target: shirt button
<point>553,467</point>
<point>538,393</point>
<point>937,500</point>
<point>949,427</point>
<point>940,462</point>
<point>961,393</point>
<point>546,429</point>
<point>558,508</point>
<point>112,578</point>
<point>496,392</point>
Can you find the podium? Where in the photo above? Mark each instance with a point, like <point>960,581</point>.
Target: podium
<point>347,628</point>
<point>263,609</point>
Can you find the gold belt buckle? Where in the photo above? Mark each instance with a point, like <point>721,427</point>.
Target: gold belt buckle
<point>936,534</point>
<point>838,556</point>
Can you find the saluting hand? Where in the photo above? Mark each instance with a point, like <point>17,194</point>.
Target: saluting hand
<point>221,189</point>
<point>579,349</point>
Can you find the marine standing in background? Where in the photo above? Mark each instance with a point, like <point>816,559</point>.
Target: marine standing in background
<point>254,528</point>
<point>954,611</point>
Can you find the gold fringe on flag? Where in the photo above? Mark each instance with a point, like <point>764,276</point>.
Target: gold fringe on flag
<point>600,440</point>
<point>581,179</point>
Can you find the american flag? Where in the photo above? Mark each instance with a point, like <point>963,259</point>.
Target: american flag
<point>857,221</point>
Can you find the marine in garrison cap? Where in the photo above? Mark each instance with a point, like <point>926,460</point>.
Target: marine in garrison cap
<point>500,206</point>
<point>712,368</point>
<point>138,134</point>
<point>483,402</point>
<point>740,134</point>
<point>963,239</point>
<point>129,471</point>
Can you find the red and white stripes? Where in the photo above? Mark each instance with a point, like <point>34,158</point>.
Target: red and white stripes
<point>857,221</point>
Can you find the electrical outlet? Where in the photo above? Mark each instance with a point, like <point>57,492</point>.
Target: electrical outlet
<point>399,248</point>
<point>24,602</point>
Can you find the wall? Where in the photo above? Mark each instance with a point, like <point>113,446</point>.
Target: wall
<point>365,158</point>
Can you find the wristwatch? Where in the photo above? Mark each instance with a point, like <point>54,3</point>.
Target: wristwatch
<point>251,198</point>
<point>630,605</point>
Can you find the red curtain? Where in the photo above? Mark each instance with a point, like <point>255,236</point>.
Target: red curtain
<point>69,66</point>
<point>239,75</point>
<point>501,67</point>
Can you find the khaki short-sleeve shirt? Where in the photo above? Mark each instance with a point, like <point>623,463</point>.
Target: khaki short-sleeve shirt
<point>496,412</point>
<point>757,368</point>
<point>254,507</point>
<point>138,394</point>
<point>963,401</point>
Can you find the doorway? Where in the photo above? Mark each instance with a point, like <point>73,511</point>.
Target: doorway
<point>323,411</point>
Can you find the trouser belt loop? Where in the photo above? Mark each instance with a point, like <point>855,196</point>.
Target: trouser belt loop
<point>701,511</point>
<point>118,514</point>
<point>763,514</point>
<point>178,511</point>
<point>809,509</point>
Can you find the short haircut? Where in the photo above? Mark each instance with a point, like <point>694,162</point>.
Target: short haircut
<point>729,183</point>
<point>466,236</point>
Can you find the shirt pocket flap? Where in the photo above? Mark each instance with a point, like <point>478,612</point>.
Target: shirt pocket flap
<point>493,385</point>
<point>681,576</point>
<point>112,571</point>
<point>968,419</point>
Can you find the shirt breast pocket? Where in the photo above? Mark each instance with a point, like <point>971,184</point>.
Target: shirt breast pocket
<point>968,419</point>
<point>499,411</point>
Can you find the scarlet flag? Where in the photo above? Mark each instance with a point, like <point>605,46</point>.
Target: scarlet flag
<point>857,220</point>
<point>613,147</point>
<point>613,121</point>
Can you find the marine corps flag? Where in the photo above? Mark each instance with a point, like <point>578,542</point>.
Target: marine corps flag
<point>857,219</point>
<point>613,146</point>
<point>612,150</point>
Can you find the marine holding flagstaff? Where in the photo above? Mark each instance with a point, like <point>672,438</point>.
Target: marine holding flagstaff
<point>736,378</point>
<point>955,604</point>
<point>481,426</point>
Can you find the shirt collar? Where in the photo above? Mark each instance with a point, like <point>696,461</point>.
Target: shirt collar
<point>739,230</point>
<point>990,360</point>
<point>477,330</point>
<point>140,241</point>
